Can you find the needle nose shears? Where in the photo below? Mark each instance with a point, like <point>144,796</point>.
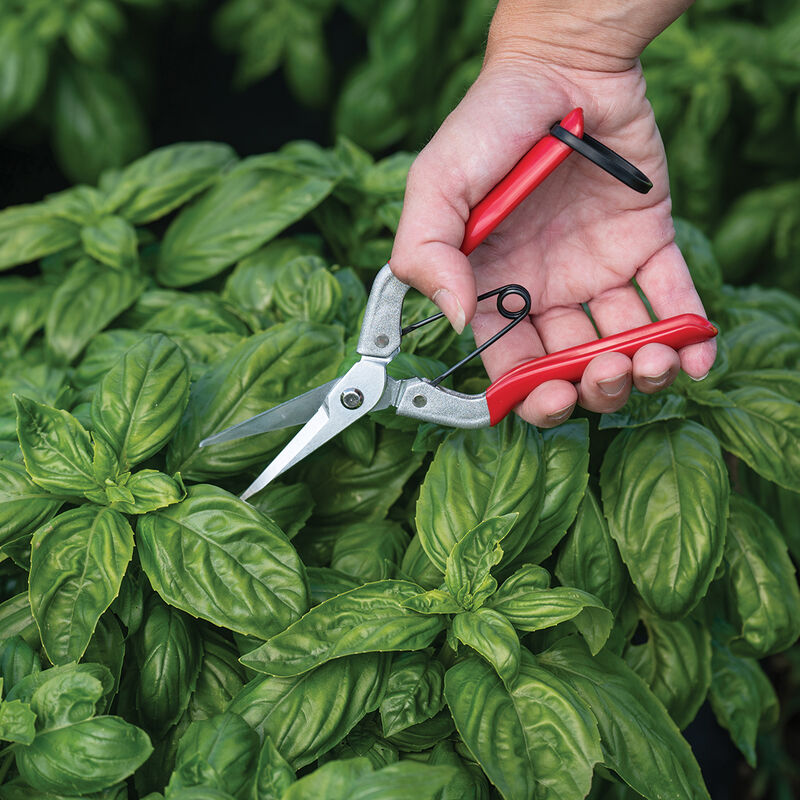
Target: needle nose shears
<point>325,411</point>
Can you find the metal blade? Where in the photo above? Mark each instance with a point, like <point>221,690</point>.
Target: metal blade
<point>367,379</point>
<point>296,411</point>
<point>314,433</point>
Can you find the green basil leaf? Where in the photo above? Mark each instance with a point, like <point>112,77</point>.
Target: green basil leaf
<point>491,635</point>
<point>665,494</point>
<point>89,297</point>
<point>65,699</point>
<point>101,752</point>
<point>233,567</point>
<point>782,381</point>
<point>783,505</point>
<point>56,448</point>
<point>181,314</point>
<point>77,563</point>
<point>352,780</point>
<point>467,572</point>
<point>194,793</point>
<point>32,231</point>
<point>141,399</point>
<point>150,490</point>
<point>418,567</point>
<point>112,241</point>
<point>642,409</point>
<point>306,715</point>
<point>351,492</point>
<point>24,506</point>
<point>513,731</point>
<point>763,343</point>
<point>273,775</point>
<point>256,375</point>
<point>340,627</point>
<point>675,663</point>
<point>758,424</point>
<point>55,677</point>
<point>24,62</point>
<point>249,206</point>
<point>16,619</point>
<point>364,742</point>
<point>589,558</point>
<point>469,782</point>
<point>424,735</point>
<point>251,284</point>
<point>220,752</point>
<point>434,601</point>
<point>484,473</point>
<point>305,289</point>
<point>640,741</point>
<point>566,462</point>
<point>289,507</point>
<point>96,121</point>
<point>102,354</point>
<point>17,660</point>
<point>325,583</point>
<point>107,646</point>
<point>17,722</point>
<point>164,179</point>
<point>369,551</point>
<point>413,693</point>
<point>760,584</point>
<point>696,248</point>
<point>530,607</point>
<point>129,604</point>
<point>167,652</point>
<point>221,677</point>
<point>742,698</point>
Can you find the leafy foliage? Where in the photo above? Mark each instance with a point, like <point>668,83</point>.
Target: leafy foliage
<point>451,614</point>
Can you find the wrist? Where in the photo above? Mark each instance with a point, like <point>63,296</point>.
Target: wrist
<point>603,35</point>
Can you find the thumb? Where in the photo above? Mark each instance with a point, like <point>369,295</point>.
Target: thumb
<point>426,251</point>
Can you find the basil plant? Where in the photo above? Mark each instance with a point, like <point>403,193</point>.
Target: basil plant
<point>412,611</point>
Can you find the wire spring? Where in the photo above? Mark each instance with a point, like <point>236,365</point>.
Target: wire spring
<point>502,293</point>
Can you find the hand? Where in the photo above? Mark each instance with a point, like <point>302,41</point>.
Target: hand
<point>580,238</point>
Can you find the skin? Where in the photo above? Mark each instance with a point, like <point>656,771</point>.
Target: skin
<point>581,237</point>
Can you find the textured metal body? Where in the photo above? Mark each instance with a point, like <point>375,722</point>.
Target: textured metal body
<point>418,399</point>
<point>380,330</point>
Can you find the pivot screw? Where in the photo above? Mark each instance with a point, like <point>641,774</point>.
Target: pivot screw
<point>382,340</point>
<point>419,401</point>
<point>352,398</point>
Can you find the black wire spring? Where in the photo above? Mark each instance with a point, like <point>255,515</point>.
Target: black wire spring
<point>502,293</point>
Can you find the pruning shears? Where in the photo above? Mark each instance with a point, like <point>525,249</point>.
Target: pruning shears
<point>327,410</point>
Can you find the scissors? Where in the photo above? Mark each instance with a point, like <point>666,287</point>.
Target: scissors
<point>327,410</point>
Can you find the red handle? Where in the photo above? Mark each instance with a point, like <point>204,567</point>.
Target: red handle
<point>568,365</point>
<point>529,172</point>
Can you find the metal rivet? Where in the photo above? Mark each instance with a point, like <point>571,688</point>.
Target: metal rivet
<point>382,340</point>
<point>352,398</point>
<point>419,401</point>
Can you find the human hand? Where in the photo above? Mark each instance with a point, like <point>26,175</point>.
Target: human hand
<point>580,238</point>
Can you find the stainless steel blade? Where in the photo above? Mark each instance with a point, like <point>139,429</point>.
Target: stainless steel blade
<point>296,411</point>
<point>367,379</point>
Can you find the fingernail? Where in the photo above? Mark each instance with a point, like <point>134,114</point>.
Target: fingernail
<point>451,307</point>
<point>701,378</point>
<point>656,380</point>
<point>613,386</point>
<point>561,414</point>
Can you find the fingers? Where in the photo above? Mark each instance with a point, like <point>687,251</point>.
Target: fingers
<point>666,281</point>
<point>654,366</point>
<point>425,253</point>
